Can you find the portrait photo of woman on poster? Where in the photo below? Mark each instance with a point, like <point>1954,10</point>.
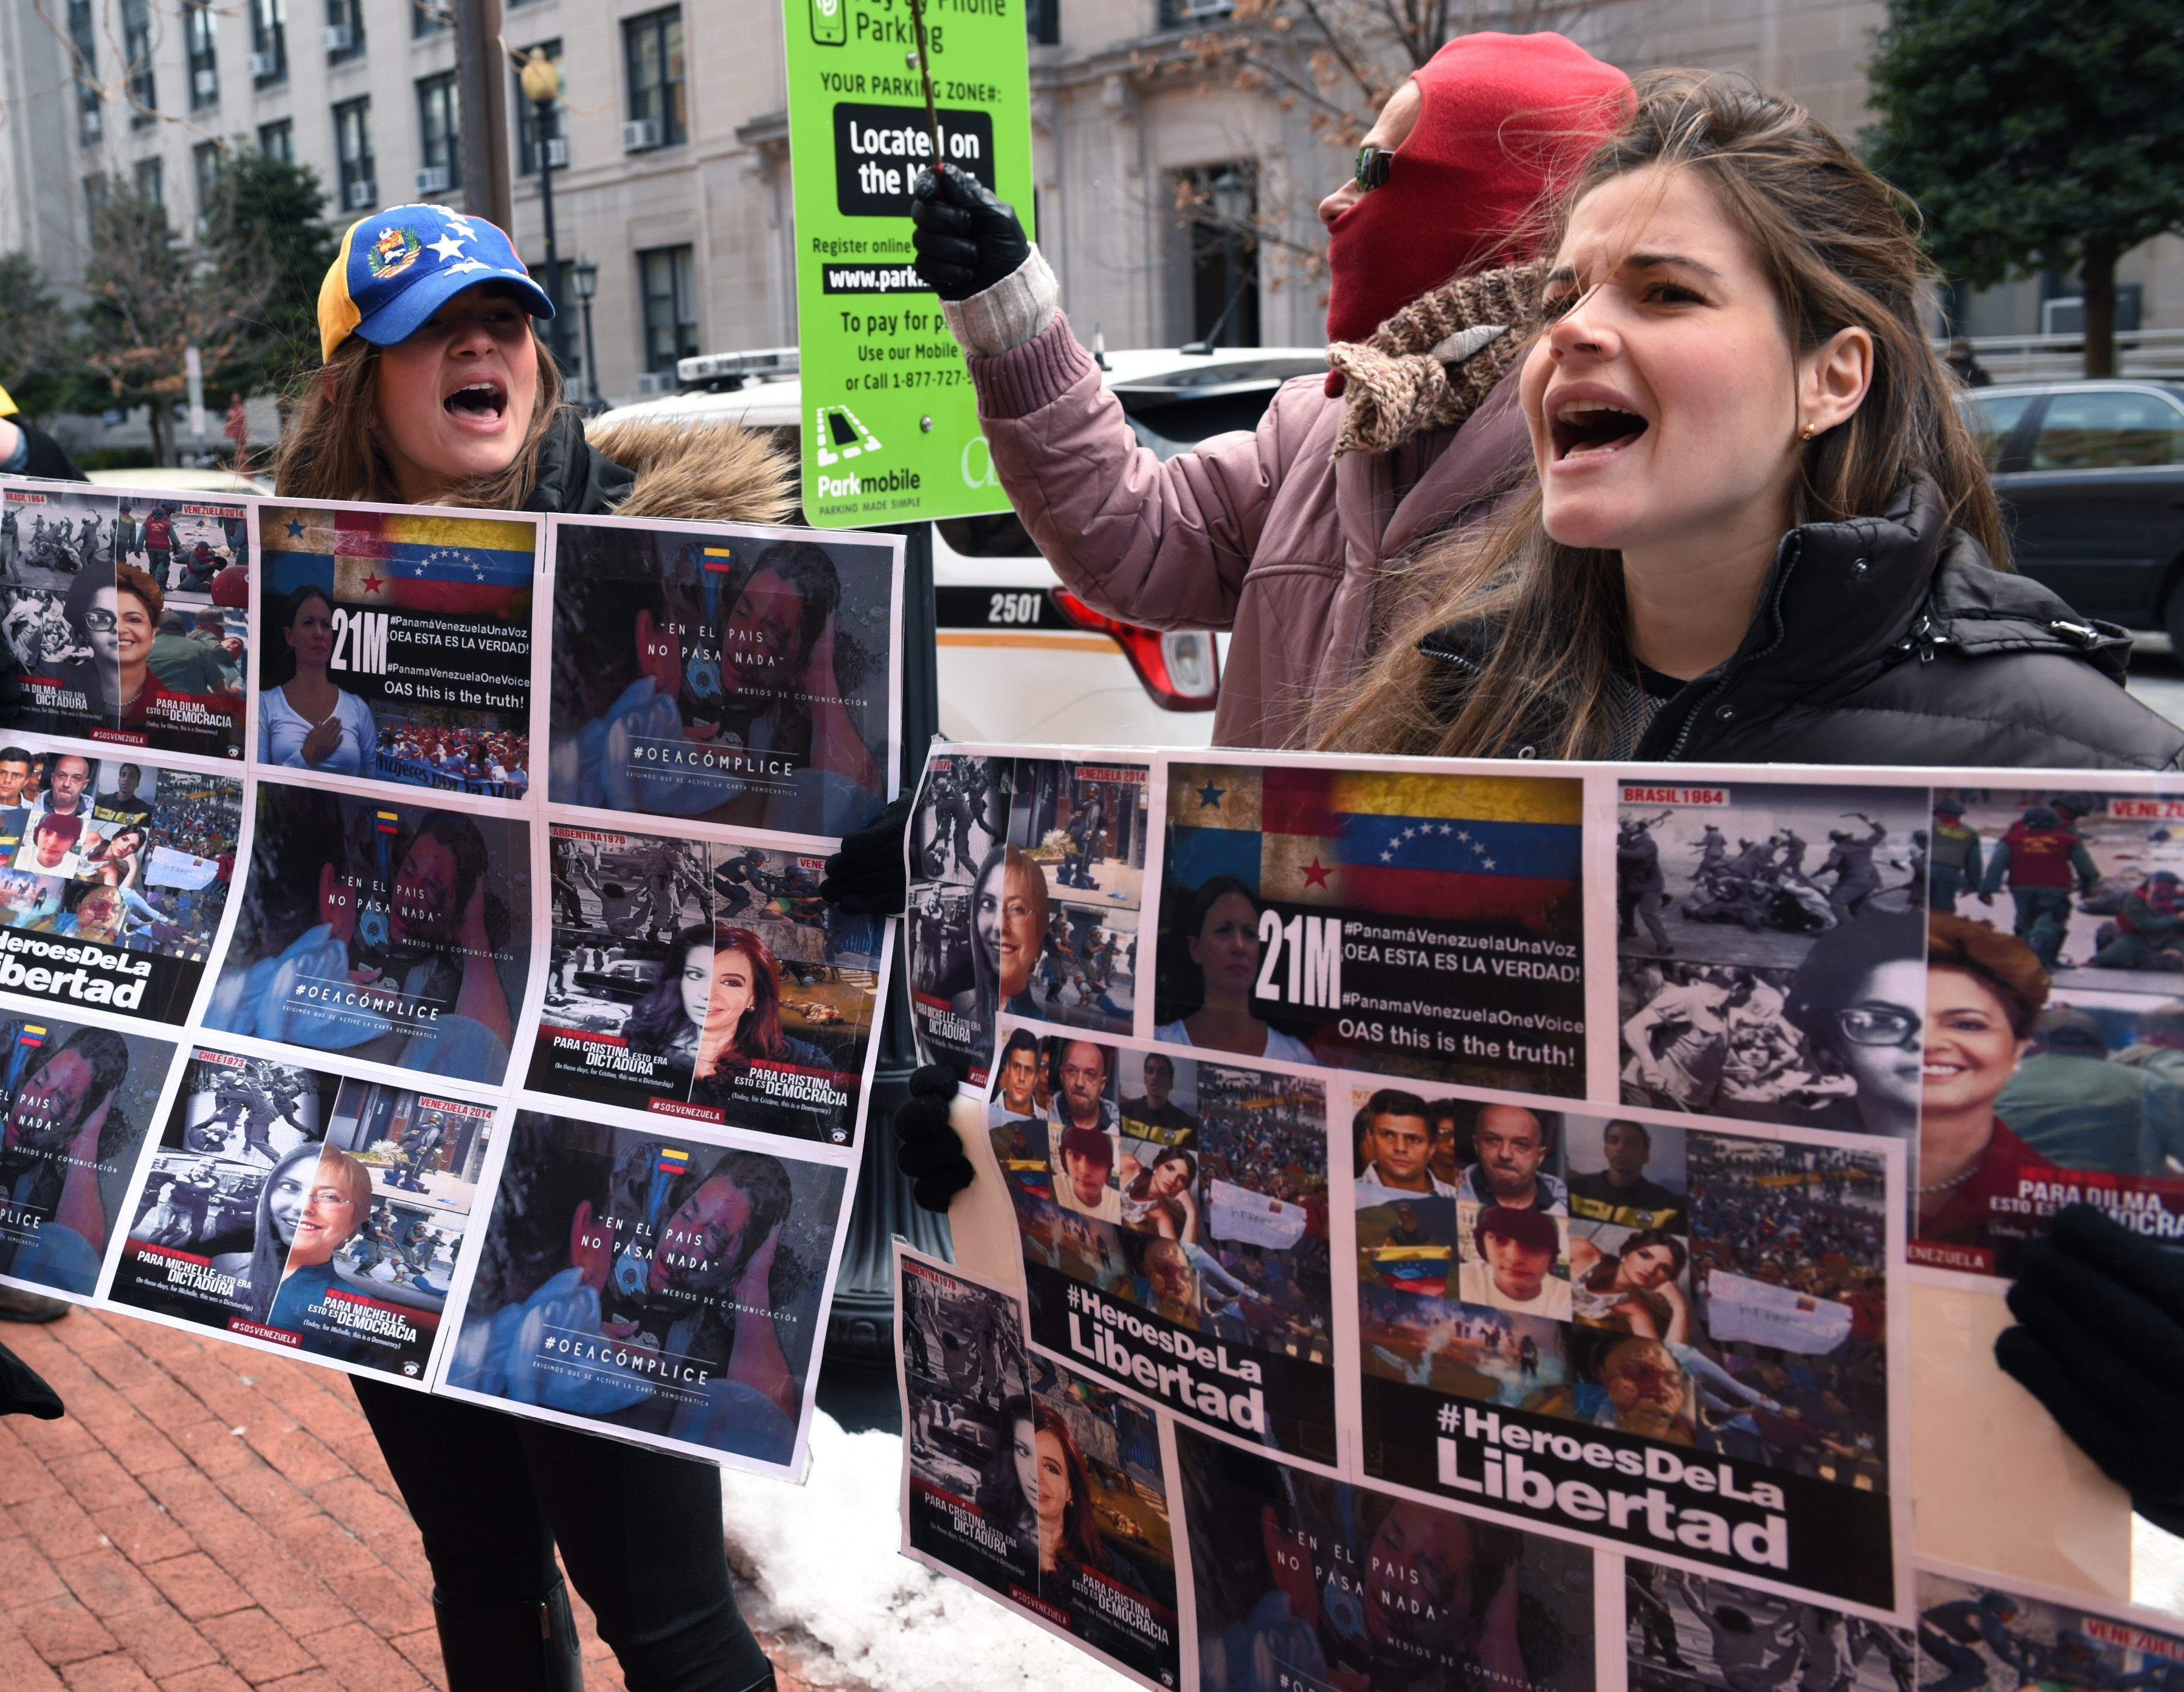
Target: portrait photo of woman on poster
<point>145,706</point>
<point>1009,917</point>
<point>308,722</point>
<point>1214,936</point>
<point>319,1205</point>
<point>115,859</point>
<point>669,1020</point>
<point>743,1015</point>
<point>1984,992</point>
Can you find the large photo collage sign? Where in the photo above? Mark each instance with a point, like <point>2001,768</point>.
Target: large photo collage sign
<point>410,952</point>
<point>1480,1167</point>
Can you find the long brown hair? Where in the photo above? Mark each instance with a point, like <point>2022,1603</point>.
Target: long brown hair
<point>329,453</point>
<point>1831,237</point>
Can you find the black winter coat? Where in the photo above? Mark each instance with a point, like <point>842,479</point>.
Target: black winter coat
<point>575,479</point>
<point>1893,640</point>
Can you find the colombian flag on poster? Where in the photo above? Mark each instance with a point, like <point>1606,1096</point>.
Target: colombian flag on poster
<point>1459,848</point>
<point>427,561</point>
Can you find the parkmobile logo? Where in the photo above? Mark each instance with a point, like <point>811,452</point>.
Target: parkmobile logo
<point>839,436</point>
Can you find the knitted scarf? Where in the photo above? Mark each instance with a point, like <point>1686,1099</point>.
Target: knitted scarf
<point>1429,366</point>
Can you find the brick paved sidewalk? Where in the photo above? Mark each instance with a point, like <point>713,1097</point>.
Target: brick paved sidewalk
<point>205,1519</point>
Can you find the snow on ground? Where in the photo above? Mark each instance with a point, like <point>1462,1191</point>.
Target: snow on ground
<point>2157,1567</point>
<point>821,1565</point>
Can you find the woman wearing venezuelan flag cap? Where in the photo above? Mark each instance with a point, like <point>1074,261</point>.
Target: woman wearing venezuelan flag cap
<point>437,391</point>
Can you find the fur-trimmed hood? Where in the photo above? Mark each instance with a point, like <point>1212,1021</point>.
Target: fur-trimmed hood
<point>690,472</point>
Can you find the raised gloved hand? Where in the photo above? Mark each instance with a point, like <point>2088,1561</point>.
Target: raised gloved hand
<point>931,1154</point>
<point>870,876</point>
<point>2102,1345</point>
<point>965,239</point>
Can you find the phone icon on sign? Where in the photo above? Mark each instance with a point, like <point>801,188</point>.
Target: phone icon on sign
<point>830,22</point>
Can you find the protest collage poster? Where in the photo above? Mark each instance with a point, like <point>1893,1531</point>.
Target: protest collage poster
<point>1606,1288</point>
<point>125,618</point>
<point>717,706</point>
<point>264,988</point>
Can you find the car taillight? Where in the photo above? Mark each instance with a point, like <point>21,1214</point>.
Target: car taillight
<point>1179,668</point>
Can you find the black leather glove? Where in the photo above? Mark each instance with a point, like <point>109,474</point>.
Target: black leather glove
<point>965,239</point>
<point>24,1392</point>
<point>869,876</point>
<point>931,1154</point>
<point>2102,1347</point>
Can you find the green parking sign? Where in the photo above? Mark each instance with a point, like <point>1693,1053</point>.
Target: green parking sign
<point>891,423</point>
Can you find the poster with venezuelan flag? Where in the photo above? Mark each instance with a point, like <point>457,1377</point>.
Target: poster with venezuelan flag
<point>1407,923</point>
<point>396,646</point>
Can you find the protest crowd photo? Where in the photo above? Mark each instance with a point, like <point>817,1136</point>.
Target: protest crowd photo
<point>896,844</point>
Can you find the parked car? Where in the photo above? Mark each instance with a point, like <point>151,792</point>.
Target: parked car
<point>1021,658</point>
<point>2090,475</point>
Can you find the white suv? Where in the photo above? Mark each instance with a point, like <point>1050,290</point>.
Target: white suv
<point>1022,659</point>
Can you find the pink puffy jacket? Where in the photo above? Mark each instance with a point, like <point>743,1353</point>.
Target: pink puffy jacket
<point>1264,534</point>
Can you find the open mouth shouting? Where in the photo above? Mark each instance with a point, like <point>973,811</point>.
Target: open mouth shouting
<point>1585,425</point>
<point>479,404</point>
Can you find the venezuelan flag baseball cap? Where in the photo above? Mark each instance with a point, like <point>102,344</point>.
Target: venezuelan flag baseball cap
<point>397,267</point>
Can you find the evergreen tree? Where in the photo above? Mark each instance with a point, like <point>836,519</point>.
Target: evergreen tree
<point>34,327</point>
<point>2035,135</point>
<point>266,230</point>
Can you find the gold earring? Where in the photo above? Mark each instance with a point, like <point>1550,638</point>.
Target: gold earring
<point>1806,433</point>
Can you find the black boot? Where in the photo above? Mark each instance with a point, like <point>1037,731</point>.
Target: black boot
<point>523,1647</point>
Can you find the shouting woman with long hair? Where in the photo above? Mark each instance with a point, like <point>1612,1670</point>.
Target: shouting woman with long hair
<point>436,390</point>
<point>1760,530</point>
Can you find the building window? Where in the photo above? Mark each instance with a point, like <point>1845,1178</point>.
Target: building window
<point>94,194</point>
<point>344,30</point>
<point>1220,250</point>
<point>429,17</point>
<point>666,280</point>
<point>1043,22</point>
<point>83,43</point>
<point>358,172</point>
<point>136,53</point>
<point>439,135</point>
<point>526,119</point>
<point>652,53</point>
<point>152,180</point>
<point>1176,15</point>
<point>278,140</point>
<point>198,27</point>
<point>269,42</point>
<point>207,159</point>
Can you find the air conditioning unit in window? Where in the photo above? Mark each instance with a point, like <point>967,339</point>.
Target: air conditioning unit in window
<point>639,135</point>
<point>205,84</point>
<point>264,64</point>
<point>91,125</point>
<point>432,180</point>
<point>557,152</point>
<point>656,381</point>
<point>1206,9</point>
<point>338,37</point>
<point>363,195</point>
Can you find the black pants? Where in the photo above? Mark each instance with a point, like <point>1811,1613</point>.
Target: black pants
<point>639,1531</point>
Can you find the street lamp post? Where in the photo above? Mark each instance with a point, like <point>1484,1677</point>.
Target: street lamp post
<point>542,86</point>
<point>586,276</point>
